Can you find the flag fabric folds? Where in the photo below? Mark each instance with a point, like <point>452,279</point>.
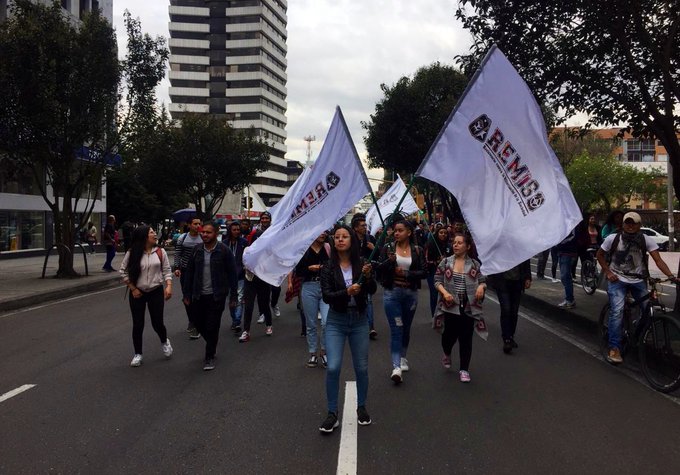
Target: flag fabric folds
<point>493,155</point>
<point>335,184</point>
<point>386,204</point>
<point>279,210</point>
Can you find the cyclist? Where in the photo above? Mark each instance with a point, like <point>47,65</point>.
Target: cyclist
<point>627,271</point>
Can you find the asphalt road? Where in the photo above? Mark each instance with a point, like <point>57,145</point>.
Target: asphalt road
<point>550,407</point>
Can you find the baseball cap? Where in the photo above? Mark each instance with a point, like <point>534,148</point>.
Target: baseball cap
<point>632,215</point>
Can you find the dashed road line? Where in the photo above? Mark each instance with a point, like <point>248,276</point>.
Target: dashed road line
<point>16,391</point>
<point>347,456</point>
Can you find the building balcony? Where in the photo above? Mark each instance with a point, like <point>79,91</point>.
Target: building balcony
<point>184,59</point>
<point>183,43</point>
<point>189,91</point>
<point>259,124</point>
<point>261,108</point>
<point>191,27</point>
<point>258,43</point>
<point>256,92</point>
<point>189,76</point>
<point>273,175</point>
<point>196,108</point>
<point>189,11</point>
<point>257,76</point>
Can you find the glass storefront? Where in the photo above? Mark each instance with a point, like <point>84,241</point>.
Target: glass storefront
<point>22,230</point>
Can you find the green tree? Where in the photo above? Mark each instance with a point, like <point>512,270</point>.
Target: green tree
<point>61,86</point>
<point>571,142</point>
<point>407,120</point>
<point>602,182</point>
<point>206,158</point>
<point>617,60</point>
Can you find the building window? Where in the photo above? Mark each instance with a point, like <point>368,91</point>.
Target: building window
<point>22,230</point>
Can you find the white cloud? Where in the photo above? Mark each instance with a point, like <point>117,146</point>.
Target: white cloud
<point>339,52</point>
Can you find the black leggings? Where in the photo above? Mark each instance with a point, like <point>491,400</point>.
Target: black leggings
<point>261,290</point>
<point>155,301</point>
<point>458,328</point>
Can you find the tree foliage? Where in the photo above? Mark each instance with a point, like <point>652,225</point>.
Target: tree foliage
<point>408,119</point>
<point>61,89</point>
<point>617,60</point>
<point>571,142</point>
<point>602,182</point>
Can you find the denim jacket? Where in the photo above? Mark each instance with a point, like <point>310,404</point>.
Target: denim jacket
<point>222,271</point>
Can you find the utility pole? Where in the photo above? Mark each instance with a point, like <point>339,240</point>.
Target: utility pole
<point>671,220</point>
<point>309,139</point>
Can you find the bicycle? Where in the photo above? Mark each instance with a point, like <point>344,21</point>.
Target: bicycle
<point>656,337</point>
<point>590,275</point>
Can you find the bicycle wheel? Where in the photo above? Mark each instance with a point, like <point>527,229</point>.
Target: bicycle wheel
<point>589,277</point>
<point>659,352</point>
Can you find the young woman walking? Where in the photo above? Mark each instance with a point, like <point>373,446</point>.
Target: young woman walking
<point>461,289</point>
<point>347,320</point>
<point>402,266</point>
<point>145,269</point>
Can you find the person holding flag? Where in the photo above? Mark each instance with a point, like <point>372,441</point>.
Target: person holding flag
<point>401,268</point>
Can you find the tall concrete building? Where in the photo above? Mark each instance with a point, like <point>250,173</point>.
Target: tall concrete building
<point>228,58</point>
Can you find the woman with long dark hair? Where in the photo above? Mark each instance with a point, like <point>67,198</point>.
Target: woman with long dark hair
<point>347,320</point>
<point>436,249</point>
<point>145,268</point>
<point>402,266</point>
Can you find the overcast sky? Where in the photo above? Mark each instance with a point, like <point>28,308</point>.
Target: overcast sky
<point>339,52</point>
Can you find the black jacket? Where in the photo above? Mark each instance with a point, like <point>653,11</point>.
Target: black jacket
<point>416,272</point>
<point>222,272</point>
<point>334,291</point>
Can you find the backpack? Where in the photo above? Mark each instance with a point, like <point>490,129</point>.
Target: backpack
<point>645,256</point>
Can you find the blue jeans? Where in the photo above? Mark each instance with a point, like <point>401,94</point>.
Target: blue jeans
<point>352,326</point>
<point>565,277</point>
<point>312,303</point>
<point>369,312</point>
<point>110,254</point>
<point>617,295</point>
<point>400,307</point>
<point>237,311</point>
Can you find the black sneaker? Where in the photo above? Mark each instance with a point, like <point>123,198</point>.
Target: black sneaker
<point>236,328</point>
<point>513,343</point>
<point>312,361</point>
<point>373,335</point>
<point>194,334</point>
<point>507,346</point>
<point>330,423</point>
<point>209,364</point>
<point>362,416</point>
<point>324,361</point>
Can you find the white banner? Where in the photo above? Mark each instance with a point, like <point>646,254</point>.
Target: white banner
<point>280,209</point>
<point>387,203</point>
<point>335,184</point>
<point>493,156</point>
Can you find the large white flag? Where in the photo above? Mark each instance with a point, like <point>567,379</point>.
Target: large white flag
<point>493,156</point>
<point>335,184</point>
<point>280,209</point>
<point>386,205</point>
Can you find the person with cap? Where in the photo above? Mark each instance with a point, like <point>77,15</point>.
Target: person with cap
<point>236,245</point>
<point>626,270</point>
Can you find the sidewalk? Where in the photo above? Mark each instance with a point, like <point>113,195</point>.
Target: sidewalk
<point>21,284</point>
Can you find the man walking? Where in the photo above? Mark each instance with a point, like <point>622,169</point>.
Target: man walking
<point>236,245</point>
<point>367,244</point>
<point>109,241</point>
<point>183,250</point>
<point>210,277</point>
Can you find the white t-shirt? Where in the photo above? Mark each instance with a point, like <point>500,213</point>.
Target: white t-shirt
<point>633,262</point>
<point>347,275</point>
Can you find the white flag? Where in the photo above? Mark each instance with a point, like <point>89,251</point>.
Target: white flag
<point>493,156</point>
<point>386,204</point>
<point>280,209</point>
<point>335,184</point>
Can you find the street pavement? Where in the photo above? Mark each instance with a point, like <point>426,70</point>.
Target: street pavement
<point>550,407</point>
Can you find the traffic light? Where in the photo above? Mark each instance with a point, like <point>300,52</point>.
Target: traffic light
<point>250,202</point>
<point>244,203</point>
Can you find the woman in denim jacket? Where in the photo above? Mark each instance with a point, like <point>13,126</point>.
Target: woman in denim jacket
<point>461,288</point>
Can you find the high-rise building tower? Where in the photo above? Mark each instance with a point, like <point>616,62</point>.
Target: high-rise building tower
<point>228,58</point>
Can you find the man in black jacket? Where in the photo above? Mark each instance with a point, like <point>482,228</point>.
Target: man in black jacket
<point>210,276</point>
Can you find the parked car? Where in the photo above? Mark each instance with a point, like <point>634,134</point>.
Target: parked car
<point>660,239</point>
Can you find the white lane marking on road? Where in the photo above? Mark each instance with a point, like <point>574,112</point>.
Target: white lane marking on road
<point>16,391</point>
<point>595,353</point>
<point>49,304</point>
<point>347,456</point>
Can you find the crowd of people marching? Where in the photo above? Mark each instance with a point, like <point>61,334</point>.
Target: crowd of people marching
<point>335,282</point>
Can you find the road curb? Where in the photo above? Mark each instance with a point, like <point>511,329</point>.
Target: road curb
<point>58,294</point>
<point>563,316</point>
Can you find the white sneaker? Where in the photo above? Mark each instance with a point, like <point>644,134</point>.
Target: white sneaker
<point>554,280</point>
<point>277,311</point>
<point>260,319</point>
<point>567,304</point>
<point>136,360</point>
<point>396,375</point>
<point>404,364</point>
<point>167,348</point>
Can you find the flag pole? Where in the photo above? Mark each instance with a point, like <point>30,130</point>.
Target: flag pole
<point>375,202</point>
<point>390,218</point>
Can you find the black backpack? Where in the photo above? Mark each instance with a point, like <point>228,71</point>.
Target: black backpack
<point>645,256</point>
